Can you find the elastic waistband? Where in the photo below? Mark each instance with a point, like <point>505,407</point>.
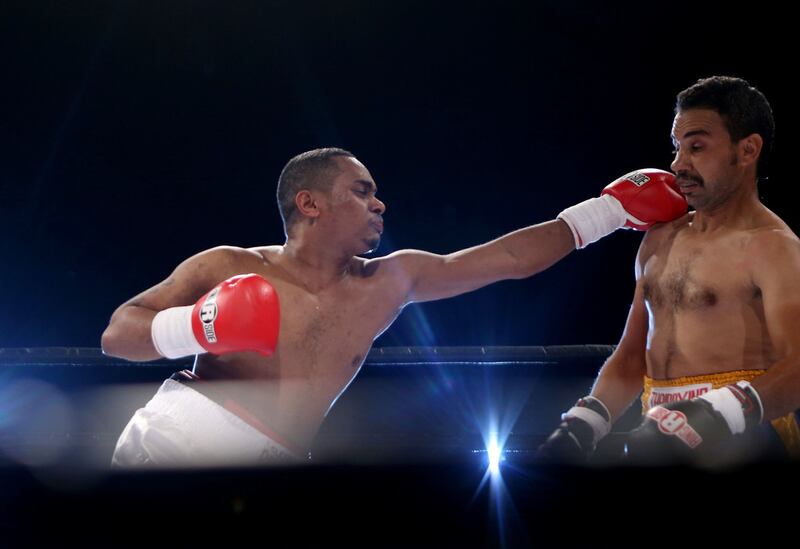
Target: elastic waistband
<point>716,380</point>
<point>671,389</point>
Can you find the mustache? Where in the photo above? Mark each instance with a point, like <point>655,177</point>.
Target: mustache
<point>688,178</point>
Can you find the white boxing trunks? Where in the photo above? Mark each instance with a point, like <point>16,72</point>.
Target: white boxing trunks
<point>181,427</point>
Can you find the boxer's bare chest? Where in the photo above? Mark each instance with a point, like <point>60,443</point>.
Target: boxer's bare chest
<point>336,325</point>
<point>325,333</point>
<point>698,275</point>
<point>705,313</point>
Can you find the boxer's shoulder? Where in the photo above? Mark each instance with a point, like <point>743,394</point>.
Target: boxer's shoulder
<point>662,232</point>
<point>267,254</point>
<point>222,255</point>
<point>662,235</point>
<point>770,248</point>
<point>216,264</point>
<point>772,238</point>
<point>401,264</point>
<point>376,269</point>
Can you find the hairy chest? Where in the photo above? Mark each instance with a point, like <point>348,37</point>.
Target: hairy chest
<point>698,277</point>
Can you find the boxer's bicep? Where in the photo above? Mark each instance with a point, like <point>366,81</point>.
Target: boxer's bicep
<point>191,279</point>
<point>153,297</point>
<point>633,343</point>
<point>430,276</point>
<point>128,331</point>
<point>400,270</point>
<point>775,264</point>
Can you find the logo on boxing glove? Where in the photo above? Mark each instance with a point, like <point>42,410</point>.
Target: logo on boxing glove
<point>638,178</point>
<point>208,314</point>
<point>675,423</point>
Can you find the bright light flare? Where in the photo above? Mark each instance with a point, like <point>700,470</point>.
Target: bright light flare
<point>495,453</point>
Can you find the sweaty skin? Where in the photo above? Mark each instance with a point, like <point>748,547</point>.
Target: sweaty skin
<point>333,304</point>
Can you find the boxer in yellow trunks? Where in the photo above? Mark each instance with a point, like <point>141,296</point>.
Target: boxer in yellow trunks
<point>712,336</point>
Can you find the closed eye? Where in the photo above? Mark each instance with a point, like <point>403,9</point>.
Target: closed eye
<point>365,187</point>
<point>694,147</point>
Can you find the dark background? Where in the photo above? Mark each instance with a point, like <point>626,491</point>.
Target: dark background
<point>134,134</point>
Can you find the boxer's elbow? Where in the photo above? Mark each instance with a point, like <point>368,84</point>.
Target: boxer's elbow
<point>624,368</point>
<point>112,342</point>
<point>127,337</point>
<point>116,343</point>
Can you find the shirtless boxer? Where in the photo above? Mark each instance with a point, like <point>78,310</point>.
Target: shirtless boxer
<point>278,345</point>
<point>712,340</point>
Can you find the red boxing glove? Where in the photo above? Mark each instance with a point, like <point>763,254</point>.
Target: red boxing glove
<point>240,314</point>
<point>637,200</point>
<point>649,196</point>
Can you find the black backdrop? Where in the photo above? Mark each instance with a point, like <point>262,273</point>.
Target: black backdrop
<point>133,134</point>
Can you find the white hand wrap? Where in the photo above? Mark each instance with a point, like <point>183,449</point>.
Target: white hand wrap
<point>595,218</point>
<point>729,406</point>
<point>172,334</point>
<point>599,424</point>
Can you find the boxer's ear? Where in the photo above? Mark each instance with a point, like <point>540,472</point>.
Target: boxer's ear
<point>306,204</point>
<point>749,149</point>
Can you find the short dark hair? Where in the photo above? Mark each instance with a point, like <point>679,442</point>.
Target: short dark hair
<point>743,109</point>
<point>311,170</point>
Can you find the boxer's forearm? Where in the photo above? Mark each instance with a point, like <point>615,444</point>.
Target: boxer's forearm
<point>516,255</point>
<point>537,247</point>
<point>128,334</point>
<point>778,388</point>
<point>617,387</point>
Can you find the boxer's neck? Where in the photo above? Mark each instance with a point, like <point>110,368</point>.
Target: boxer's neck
<point>319,267</point>
<point>741,211</point>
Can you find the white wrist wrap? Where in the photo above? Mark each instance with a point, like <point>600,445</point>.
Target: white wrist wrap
<point>593,219</point>
<point>172,334</point>
<point>750,391</point>
<point>598,423</point>
<point>728,406</point>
